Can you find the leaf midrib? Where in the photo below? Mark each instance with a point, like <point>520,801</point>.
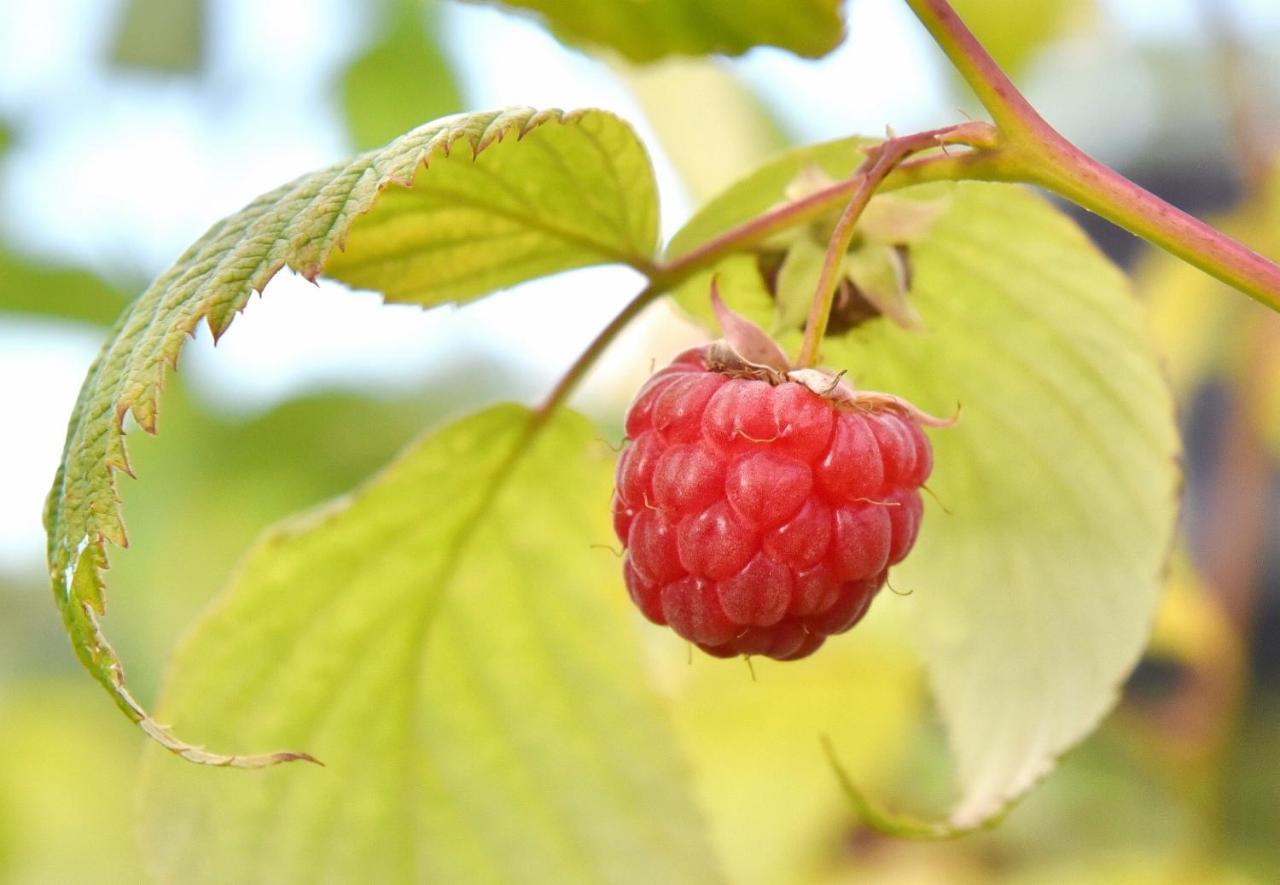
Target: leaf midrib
<point>583,241</point>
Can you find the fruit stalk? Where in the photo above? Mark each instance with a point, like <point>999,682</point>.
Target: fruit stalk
<point>881,159</point>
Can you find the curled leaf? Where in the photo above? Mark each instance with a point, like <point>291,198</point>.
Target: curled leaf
<point>448,212</point>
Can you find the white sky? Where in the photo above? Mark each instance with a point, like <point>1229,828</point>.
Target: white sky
<point>123,171</point>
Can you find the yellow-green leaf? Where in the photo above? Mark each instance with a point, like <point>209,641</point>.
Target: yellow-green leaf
<point>449,211</point>
<point>536,199</point>
<point>684,99</point>
<point>798,277</point>
<point>649,30</point>
<point>1032,598</point>
<point>1206,338</point>
<point>1014,30</point>
<point>882,277</point>
<point>464,662</point>
<point>66,814</point>
<point>29,286</point>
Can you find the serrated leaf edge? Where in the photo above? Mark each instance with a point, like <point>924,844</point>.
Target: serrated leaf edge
<point>82,560</point>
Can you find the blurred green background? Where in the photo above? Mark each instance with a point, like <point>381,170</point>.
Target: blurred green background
<point>127,127</point>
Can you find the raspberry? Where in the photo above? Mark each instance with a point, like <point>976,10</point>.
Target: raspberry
<point>761,509</point>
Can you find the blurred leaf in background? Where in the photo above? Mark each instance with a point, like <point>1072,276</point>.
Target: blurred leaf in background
<point>1246,815</point>
<point>43,288</point>
<point>66,790</point>
<point>165,36</point>
<point>712,125</point>
<point>656,28</point>
<point>1014,31</point>
<point>401,79</point>
<point>1208,334</point>
<point>1223,354</point>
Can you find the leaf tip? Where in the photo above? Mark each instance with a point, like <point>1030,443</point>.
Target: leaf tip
<point>164,736</point>
<point>121,464</point>
<point>217,328</point>
<point>892,824</point>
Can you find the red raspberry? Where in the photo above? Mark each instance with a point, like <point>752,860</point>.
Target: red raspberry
<point>759,516</point>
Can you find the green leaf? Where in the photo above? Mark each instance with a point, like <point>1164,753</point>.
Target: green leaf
<point>401,79</point>
<point>214,481</point>
<point>449,211</point>
<point>541,198</point>
<point>797,281</point>
<point>163,35</point>
<point>1032,599</point>
<point>1014,30</point>
<point>648,31</point>
<point>754,737</point>
<point>788,176</point>
<point>882,277</point>
<point>685,98</point>
<point>449,644</point>
<point>28,286</point>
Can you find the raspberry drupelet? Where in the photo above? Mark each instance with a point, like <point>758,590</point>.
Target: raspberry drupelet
<point>759,515</point>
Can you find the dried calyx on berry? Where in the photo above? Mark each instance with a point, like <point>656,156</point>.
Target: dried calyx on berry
<point>760,505</point>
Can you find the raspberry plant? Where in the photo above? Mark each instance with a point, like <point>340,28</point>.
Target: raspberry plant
<point>459,659</point>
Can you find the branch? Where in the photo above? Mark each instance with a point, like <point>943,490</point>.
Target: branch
<point>983,162</point>
<point>575,373</point>
<point>1035,153</point>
